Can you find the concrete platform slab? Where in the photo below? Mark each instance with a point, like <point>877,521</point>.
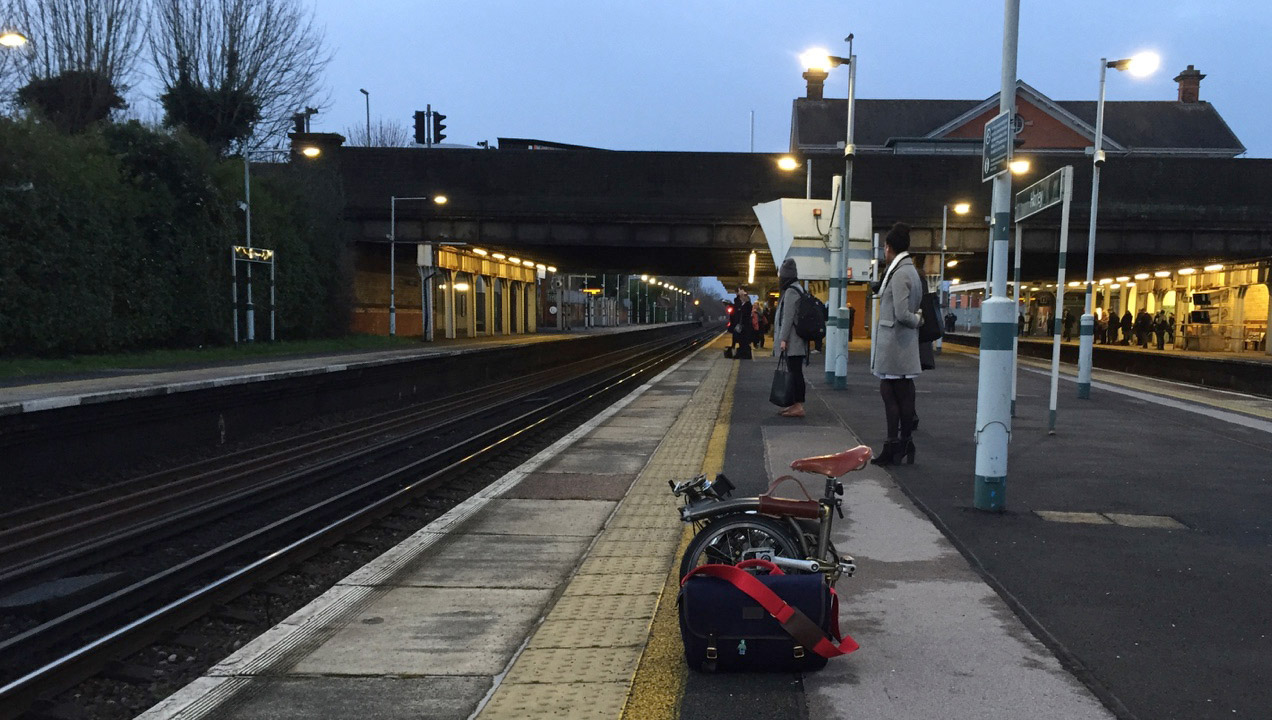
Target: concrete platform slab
<point>1159,522</point>
<point>386,698</point>
<point>1085,518</point>
<point>495,561</point>
<point>630,432</point>
<point>571,486</point>
<point>431,631</point>
<point>647,419</point>
<point>623,446</point>
<point>596,462</point>
<point>563,518</point>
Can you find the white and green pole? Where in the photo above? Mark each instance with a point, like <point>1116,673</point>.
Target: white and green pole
<point>1066,193</point>
<point>1015,338</point>
<point>840,313</point>
<point>1086,337</point>
<point>998,326</point>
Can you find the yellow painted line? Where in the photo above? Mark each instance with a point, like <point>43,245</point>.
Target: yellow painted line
<point>1212,397</point>
<point>659,683</point>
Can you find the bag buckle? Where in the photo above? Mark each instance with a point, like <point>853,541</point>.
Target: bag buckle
<point>799,651</point>
<point>711,652</point>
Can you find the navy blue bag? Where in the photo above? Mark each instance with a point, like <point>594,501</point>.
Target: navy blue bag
<point>731,620</point>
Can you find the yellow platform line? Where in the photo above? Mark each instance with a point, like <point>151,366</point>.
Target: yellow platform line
<point>660,679</point>
<point>581,662</point>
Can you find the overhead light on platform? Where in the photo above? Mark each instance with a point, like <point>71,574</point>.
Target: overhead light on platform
<point>956,281</point>
<point>1123,278</point>
<point>528,263</point>
<point>652,280</point>
<point>440,199</point>
<point>962,208</point>
<point>514,260</point>
<point>551,268</point>
<point>644,278</point>
<point>1162,273</point>
<point>788,163</point>
<point>12,39</point>
<point>479,251</point>
<point>311,151</point>
<point>1115,286</point>
<point>815,59</point>
<point>1019,167</point>
<point>461,287</point>
<point>750,268</point>
<point>1105,281</point>
<point>695,302</point>
<point>1143,64</point>
<point>952,263</point>
<point>1187,271</point>
<point>1213,268</point>
<point>1076,283</point>
<point>498,256</point>
<point>1141,276</point>
<point>541,266</point>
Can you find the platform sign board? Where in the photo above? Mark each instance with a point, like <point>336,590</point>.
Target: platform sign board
<point>996,152</point>
<point>1041,195</point>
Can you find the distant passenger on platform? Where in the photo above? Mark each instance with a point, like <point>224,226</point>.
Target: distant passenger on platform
<point>1068,325</point>
<point>1113,325</point>
<point>787,340</point>
<point>896,359</point>
<point>1159,327</point>
<point>740,325</point>
<point>1170,329</point>
<point>1020,324</point>
<point>950,319</point>
<point>1128,325</point>
<point>1143,328</point>
<point>1101,326</point>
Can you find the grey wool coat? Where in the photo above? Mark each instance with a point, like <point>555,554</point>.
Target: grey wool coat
<point>897,328</point>
<point>796,346</point>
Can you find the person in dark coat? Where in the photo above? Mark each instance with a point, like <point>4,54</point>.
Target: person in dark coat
<point>1068,325</point>
<point>741,325</point>
<point>786,339</point>
<point>1159,327</point>
<point>896,358</point>
<point>1143,328</point>
<point>1128,324</point>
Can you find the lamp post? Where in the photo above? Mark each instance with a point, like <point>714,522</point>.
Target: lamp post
<point>960,208</point>
<point>789,163</point>
<point>1140,65</point>
<point>309,151</point>
<point>12,39</point>
<point>368,96</point>
<point>836,365</point>
<point>393,201</point>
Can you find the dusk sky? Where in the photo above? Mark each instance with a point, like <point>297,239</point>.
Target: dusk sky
<point>686,74</point>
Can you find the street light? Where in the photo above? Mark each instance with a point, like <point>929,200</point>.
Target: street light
<point>789,163</point>
<point>819,61</point>
<point>308,151</point>
<point>1019,167</point>
<point>368,95</point>
<point>1139,65</point>
<point>12,39</point>
<point>960,208</point>
<point>393,201</point>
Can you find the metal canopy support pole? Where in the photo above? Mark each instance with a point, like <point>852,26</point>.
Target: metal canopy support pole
<point>272,259</point>
<point>874,298</point>
<point>392,265</point>
<point>1086,338</point>
<point>1015,340</point>
<point>247,224</point>
<point>234,292</point>
<point>993,401</point>
<point>940,281</point>
<point>1066,190</point>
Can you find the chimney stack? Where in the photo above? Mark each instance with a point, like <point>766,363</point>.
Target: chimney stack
<point>1189,85</point>
<point>816,82</point>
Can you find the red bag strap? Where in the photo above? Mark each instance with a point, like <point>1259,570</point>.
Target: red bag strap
<point>792,620</point>
<point>769,565</point>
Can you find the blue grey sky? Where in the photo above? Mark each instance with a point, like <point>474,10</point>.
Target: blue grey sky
<point>686,74</point>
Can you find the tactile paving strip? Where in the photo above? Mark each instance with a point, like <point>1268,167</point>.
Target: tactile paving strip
<point>639,546</point>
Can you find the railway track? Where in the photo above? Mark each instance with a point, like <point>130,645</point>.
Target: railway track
<point>91,634</point>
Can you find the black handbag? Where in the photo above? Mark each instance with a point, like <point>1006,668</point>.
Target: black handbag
<point>783,392</point>
<point>731,620</point>
<point>930,329</point>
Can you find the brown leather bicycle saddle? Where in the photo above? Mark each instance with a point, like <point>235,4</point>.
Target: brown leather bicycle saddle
<point>835,465</point>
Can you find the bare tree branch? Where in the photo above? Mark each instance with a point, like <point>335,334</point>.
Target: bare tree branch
<point>267,52</point>
<point>384,133</point>
<point>102,37</point>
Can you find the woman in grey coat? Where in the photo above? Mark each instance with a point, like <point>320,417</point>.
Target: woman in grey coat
<point>896,355</point>
<point>785,337</point>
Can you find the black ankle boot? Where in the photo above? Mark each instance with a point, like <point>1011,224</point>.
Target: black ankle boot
<point>889,454</point>
<point>906,448</point>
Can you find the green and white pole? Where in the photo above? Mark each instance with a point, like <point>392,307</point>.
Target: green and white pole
<point>1066,193</point>
<point>1015,340</point>
<point>998,326</point>
<point>839,349</point>
<point>833,243</point>
<point>1086,341</point>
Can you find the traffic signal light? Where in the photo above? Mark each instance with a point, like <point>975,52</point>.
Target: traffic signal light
<point>421,127</point>
<point>438,127</point>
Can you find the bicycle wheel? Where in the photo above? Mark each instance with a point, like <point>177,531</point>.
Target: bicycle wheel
<point>731,539</point>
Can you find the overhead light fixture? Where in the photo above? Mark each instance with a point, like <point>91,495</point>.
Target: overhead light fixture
<point>12,38</point>
<point>528,263</point>
<point>1123,278</point>
<point>311,151</point>
<point>551,268</point>
<point>1213,268</point>
<point>441,199</point>
<point>956,281</point>
<point>962,208</point>
<point>952,263</point>
<point>541,266</point>
<point>644,278</point>
<point>1141,276</point>
<point>750,268</point>
<point>1143,64</point>
<point>1075,283</point>
<point>1105,281</point>
<point>498,256</point>
<point>1115,286</point>
<point>514,260</point>
<point>1019,167</point>
<point>461,287</point>
<point>815,59</point>
<point>1162,273</point>
<point>479,251</point>
<point>787,163</point>
<point>1187,271</point>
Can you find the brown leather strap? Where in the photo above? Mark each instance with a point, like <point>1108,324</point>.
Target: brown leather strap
<point>783,507</point>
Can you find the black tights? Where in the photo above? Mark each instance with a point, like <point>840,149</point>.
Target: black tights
<point>898,404</point>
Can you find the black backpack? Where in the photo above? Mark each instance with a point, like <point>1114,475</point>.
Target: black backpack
<point>810,317</point>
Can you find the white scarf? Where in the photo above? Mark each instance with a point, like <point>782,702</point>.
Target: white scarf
<point>896,260</point>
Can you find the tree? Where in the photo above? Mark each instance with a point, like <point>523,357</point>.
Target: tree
<point>235,71</point>
<point>384,133</point>
<point>80,57</point>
